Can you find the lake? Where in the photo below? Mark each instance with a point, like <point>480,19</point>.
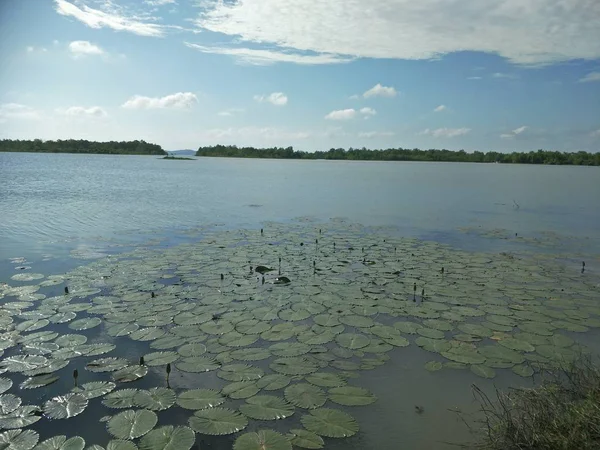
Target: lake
<point>160,259</point>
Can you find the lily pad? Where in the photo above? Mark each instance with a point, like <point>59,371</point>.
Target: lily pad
<point>96,389</point>
<point>516,344</point>
<point>267,407</point>
<point>197,364</point>
<point>352,341</point>
<point>8,403</point>
<point>160,358</point>
<point>62,443</point>
<point>240,372</point>
<point>65,406</point>
<point>326,379</point>
<point>330,423</point>
<point>294,366</point>
<point>483,371</point>
<point>433,366</point>
<point>200,399</point>
<point>21,417</point>
<point>351,396</point>
<point>273,382</point>
<point>155,399</point>
<point>217,421</point>
<point>523,370</point>
<point>305,439</point>
<point>131,424</point>
<point>262,440</point>
<point>241,389</point>
<point>129,373</point>
<point>305,396</point>
<point>85,324</point>
<point>5,385</point>
<point>106,364</point>
<point>20,439</point>
<point>123,398</point>
<point>168,438</point>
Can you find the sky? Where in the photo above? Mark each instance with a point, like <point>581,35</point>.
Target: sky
<point>487,75</point>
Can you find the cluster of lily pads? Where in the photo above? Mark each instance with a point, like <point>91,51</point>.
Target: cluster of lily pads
<point>286,318</point>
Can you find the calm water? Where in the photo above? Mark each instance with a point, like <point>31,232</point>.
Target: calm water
<point>53,204</point>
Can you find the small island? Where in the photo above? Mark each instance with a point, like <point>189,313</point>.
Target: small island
<point>400,154</point>
<point>180,158</point>
<point>81,146</point>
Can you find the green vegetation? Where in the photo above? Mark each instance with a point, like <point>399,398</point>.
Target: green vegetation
<point>400,154</point>
<point>178,157</point>
<point>562,413</point>
<point>81,146</point>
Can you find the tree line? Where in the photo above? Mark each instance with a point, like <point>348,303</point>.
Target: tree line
<point>81,146</point>
<point>401,154</point>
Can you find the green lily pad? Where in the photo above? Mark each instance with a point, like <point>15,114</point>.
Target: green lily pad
<point>5,385</point>
<point>200,399</point>
<point>433,366</point>
<point>123,398</point>
<point>352,341</point>
<point>85,324</point>
<point>273,382</point>
<point>111,364</point>
<point>217,421</point>
<point>39,381</point>
<point>305,396</point>
<point>241,389</point>
<point>21,417</point>
<point>516,344</point>
<point>168,438</point>
<point>131,424</point>
<point>65,406</point>
<point>351,396</point>
<point>96,389</point>
<point>155,399</point>
<point>8,403</point>
<point>193,349</point>
<point>330,423</point>
<point>20,439</point>
<point>305,439</point>
<point>129,373</point>
<point>160,358</point>
<point>262,440</point>
<point>197,364</point>
<point>62,443</point>
<point>326,379</point>
<point>294,366</point>
<point>240,372</point>
<point>266,407</point>
<point>430,333</point>
<point>483,371</point>
<point>523,370</point>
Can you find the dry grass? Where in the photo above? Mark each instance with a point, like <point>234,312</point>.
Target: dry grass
<point>563,412</point>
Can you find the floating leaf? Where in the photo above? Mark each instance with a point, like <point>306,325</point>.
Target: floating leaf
<point>305,439</point>
<point>106,364</point>
<point>189,350</point>
<point>131,424</point>
<point>330,422</point>
<point>155,399</point>
<point>200,399</point>
<point>168,438</point>
<point>217,421</point>
<point>352,341</point>
<point>241,389</point>
<point>266,407</point>
<point>85,324</point>
<point>160,358</point>
<point>123,398</point>
<point>273,382</point>
<point>129,373</point>
<point>8,403</point>
<point>5,385</point>
<point>523,370</point>
<point>21,417</point>
<point>39,381</point>
<point>262,440</point>
<point>23,363</point>
<point>351,396</point>
<point>294,366</point>
<point>240,372</point>
<point>122,329</point>
<point>65,406</point>
<point>326,379</point>
<point>62,443</point>
<point>483,371</point>
<point>19,439</point>
<point>251,354</point>
<point>516,344</point>
<point>118,444</point>
<point>433,366</point>
<point>197,364</point>
<point>305,396</point>
<point>96,389</point>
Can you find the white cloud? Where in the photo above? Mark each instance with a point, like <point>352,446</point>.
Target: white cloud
<point>368,111</point>
<point>445,132</point>
<point>514,132</point>
<point>160,2</point>
<point>341,114</point>
<point>29,49</point>
<point>354,97</point>
<point>79,111</point>
<point>230,112</point>
<point>55,42</point>
<point>266,57</point>
<point>380,91</point>
<point>595,133</point>
<point>440,108</point>
<point>95,18</point>
<point>375,134</point>
<point>180,100</point>
<point>276,98</point>
<point>18,111</point>
<point>592,76</point>
<point>283,136</point>
<point>82,48</point>
<point>511,76</point>
<point>530,32</point>
<point>473,78</point>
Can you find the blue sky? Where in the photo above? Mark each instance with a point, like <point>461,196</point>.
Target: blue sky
<point>498,75</point>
